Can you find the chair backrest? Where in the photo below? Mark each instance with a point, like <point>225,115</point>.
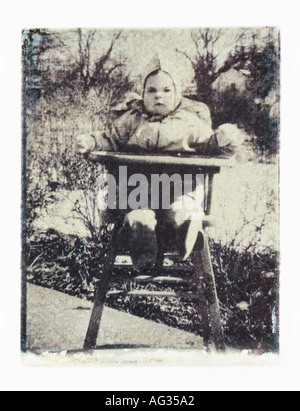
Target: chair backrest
<point>153,163</point>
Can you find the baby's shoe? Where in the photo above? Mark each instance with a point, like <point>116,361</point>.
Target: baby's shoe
<point>190,237</point>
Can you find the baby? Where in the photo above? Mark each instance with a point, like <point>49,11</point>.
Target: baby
<point>164,122</point>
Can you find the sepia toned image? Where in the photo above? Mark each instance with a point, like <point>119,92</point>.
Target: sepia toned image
<point>150,208</point>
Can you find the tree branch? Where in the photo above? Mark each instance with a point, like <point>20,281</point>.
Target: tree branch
<point>186,55</point>
<point>196,43</point>
<point>114,68</point>
<point>103,59</point>
<point>217,37</point>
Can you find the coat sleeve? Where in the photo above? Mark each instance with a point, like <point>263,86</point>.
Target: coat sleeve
<point>211,147</point>
<point>115,137</point>
<point>200,109</point>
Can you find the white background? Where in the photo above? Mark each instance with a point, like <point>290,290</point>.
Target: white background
<point>189,13</point>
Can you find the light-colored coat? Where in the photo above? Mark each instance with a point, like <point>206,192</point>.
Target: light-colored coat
<point>186,129</point>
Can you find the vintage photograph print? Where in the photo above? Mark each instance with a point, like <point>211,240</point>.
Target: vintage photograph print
<point>150,208</point>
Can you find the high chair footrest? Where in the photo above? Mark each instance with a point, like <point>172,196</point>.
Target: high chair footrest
<point>159,279</point>
<point>142,293</point>
<point>208,221</point>
<point>146,293</point>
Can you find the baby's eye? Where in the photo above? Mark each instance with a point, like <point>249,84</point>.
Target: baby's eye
<point>167,90</point>
<point>151,90</point>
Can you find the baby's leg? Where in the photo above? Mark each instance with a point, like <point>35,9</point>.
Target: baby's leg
<point>185,217</point>
<point>142,240</point>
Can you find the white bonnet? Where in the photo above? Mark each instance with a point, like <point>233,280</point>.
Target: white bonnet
<point>159,62</point>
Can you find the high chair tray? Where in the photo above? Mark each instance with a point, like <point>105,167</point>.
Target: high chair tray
<point>162,159</point>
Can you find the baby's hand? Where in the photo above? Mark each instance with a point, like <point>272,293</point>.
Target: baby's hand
<point>232,141</point>
<point>84,144</point>
<point>229,135</point>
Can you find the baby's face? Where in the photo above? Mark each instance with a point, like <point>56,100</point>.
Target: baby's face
<point>159,94</point>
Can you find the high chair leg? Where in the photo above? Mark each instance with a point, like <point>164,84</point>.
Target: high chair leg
<point>100,295</point>
<point>203,310</point>
<point>212,298</point>
<point>197,281</point>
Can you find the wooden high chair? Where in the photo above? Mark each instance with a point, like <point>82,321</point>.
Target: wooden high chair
<point>198,276</point>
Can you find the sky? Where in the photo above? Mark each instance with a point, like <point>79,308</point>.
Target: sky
<point>140,45</point>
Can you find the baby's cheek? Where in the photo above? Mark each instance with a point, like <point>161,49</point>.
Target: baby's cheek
<point>149,103</point>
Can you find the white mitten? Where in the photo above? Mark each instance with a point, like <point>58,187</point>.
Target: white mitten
<point>84,144</point>
<point>229,134</point>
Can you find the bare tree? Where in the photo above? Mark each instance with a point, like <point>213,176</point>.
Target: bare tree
<point>85,58</point>
<point>100,63</point>
<point>53,64</point>
<point>101,71</point>
<point>205,62</point>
